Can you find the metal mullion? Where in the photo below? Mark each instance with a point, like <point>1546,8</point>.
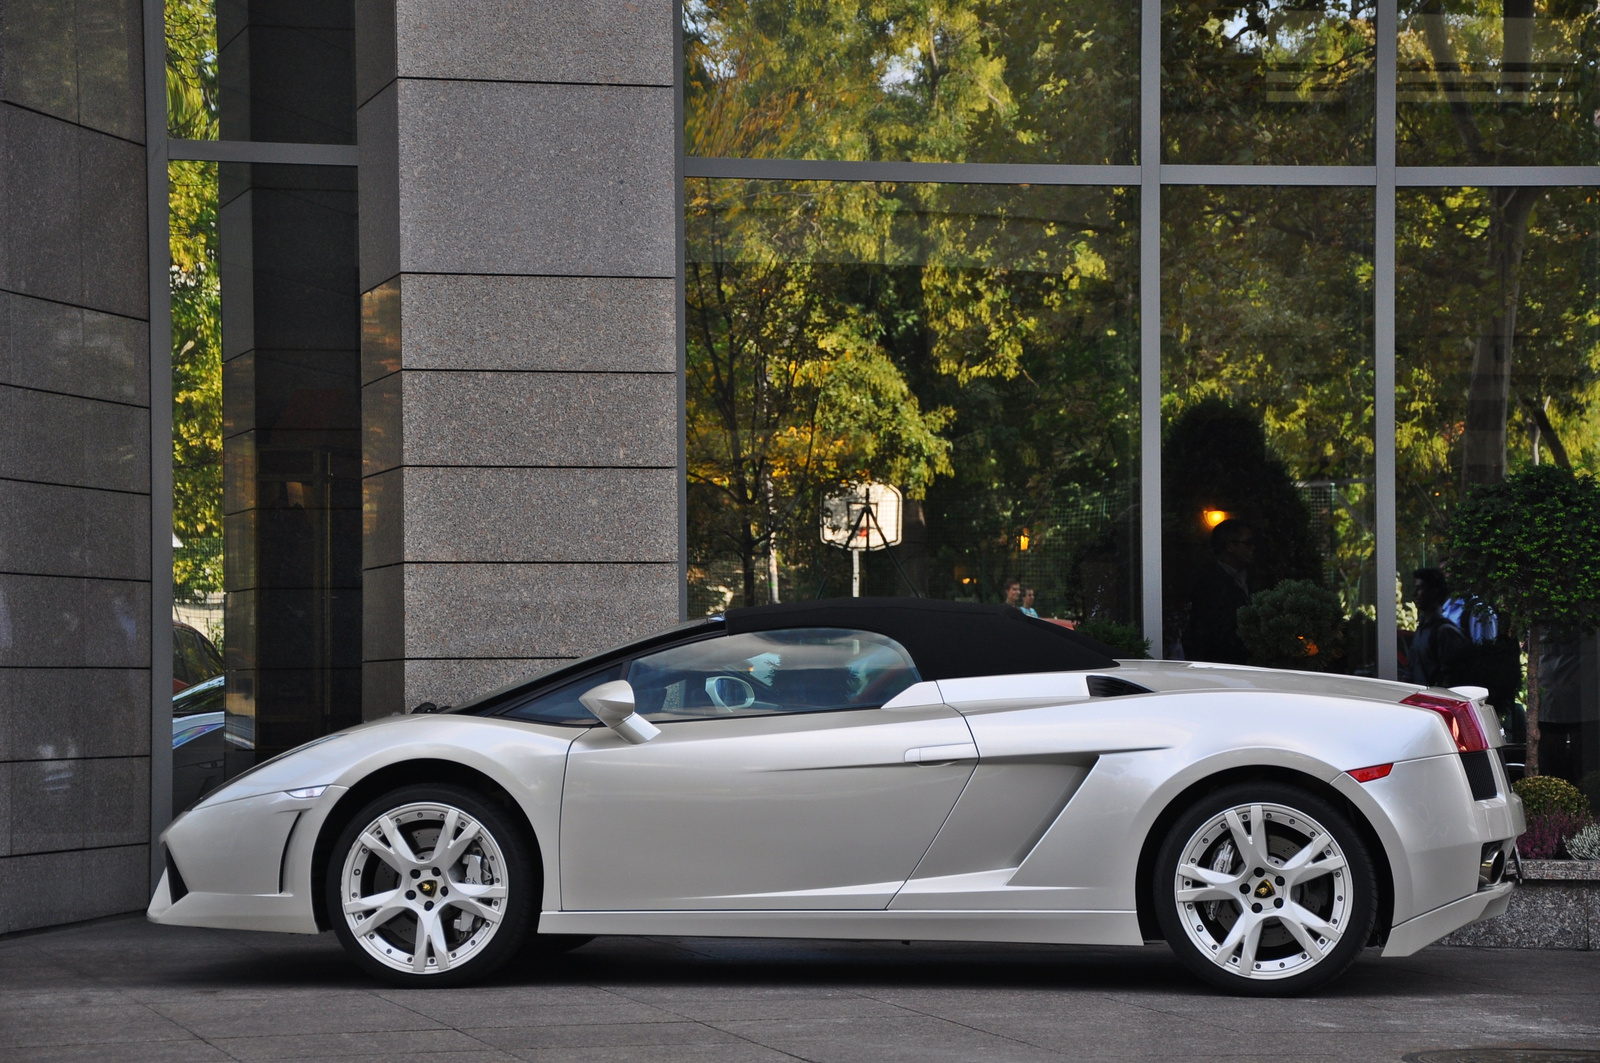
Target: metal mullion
<point>1150,169</point>
<point>1223,174</point>
<point>261,151</point>
<point>681,313</point>
<point>160,256</point>
<point>1386,561</point>
<point>1495,176</point>
<point>929,172</point>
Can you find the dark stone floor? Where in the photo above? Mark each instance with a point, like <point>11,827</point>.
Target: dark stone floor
<point>123,991</point>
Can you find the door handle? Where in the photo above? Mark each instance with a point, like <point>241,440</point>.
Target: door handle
<point>942,754</point>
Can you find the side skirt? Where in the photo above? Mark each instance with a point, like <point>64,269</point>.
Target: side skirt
<point>1044,927</point>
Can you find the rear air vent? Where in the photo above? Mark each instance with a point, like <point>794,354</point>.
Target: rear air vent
<point>1105,686</point>
<point>1480,776</point>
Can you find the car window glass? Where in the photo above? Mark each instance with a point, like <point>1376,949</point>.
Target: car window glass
<point>561,705</point>
<point>210,657</point>
<point>206,697</point>
<point>763,672</point>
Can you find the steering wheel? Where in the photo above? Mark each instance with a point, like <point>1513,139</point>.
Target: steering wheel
<point>730,693</point>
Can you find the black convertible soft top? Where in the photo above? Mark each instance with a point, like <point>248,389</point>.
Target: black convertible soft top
<point>946,640</point>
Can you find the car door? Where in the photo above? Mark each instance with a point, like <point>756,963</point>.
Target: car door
<point>793,769</point>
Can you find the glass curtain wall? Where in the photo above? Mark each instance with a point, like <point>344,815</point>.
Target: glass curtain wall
<point>1267,413</point>
<point>1376,265</point>
<point>265,384</point>
<point>973,345</point>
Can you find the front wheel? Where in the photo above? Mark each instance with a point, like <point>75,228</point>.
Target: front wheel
<point>432,886</point>
<point>1265,889</point>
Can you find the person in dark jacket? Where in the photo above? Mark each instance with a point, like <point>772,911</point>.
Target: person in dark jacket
<point>1219,592</point>
<point>1441,653</point>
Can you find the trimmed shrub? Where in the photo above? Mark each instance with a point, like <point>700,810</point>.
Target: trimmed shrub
<point>1585,845</point>
<point>1127,640</point>
<point>1546,794</point>
<point>1296,624</point>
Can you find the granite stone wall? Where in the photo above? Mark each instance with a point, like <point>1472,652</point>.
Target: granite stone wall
<point>520,410</point>
<point>74,463</point>
<point>1555,906</point>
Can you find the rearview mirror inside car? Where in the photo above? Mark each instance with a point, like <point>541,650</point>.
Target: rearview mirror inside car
<point>612,704</point>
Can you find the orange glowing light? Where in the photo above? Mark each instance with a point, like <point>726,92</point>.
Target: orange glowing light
<point>1213,517</point>
<point>1022,541</point>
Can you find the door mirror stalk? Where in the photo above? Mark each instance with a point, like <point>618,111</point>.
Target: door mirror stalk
<point>612,705</point>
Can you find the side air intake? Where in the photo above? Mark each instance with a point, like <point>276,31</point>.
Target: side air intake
<point>1105,686</point>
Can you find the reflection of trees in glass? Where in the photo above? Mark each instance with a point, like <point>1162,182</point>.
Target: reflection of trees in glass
<point>968,343</point>
<point>1497,82</point>
<point>192,69</point>
<point>196,380</point>
<point>930,80</point>
<point>1268,81</point>
<point>1447,287</point>
<point>1266,305</point>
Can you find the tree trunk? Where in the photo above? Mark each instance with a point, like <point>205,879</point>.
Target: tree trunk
<point>747,560</point>
<point>1530,760</point>
<point>770,498</point>
<point>1489,388</point>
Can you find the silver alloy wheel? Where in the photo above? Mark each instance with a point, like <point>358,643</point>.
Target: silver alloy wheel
<point>424,887</point>
<point>1263,889</point>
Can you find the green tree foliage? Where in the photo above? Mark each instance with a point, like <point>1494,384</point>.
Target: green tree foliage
<point>196,295</point>
<point>922,80</point>
<point>1268,82</point>
<point>838,332</point>
<point>1296,624</point>
<point>1445,291</point>
<point>196,380</point>
<point>1496,82</point>
<point>191,69</point>
<point>910,333</point>
<point>1530,545</point>
<point>1266,308</point>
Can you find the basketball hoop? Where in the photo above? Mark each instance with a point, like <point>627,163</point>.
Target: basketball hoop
<point>862,517</point>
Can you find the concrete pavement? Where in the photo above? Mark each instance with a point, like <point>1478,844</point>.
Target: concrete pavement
<point>122,990</point>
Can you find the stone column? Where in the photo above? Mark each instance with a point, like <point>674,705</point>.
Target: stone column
<point>519,352</point>
<point>74,464</point>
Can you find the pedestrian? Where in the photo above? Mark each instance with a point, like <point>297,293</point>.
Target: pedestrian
<point>1012,589</point>
<point>1441,653</point>
<point>1221,589</point>
<point>1027,602</point>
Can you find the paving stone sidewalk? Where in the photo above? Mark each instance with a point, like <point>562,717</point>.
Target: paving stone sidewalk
<point>123,991</point>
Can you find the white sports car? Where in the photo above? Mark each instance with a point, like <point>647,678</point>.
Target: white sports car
<point>875,769</point>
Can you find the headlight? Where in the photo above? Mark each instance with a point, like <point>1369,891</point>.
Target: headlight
<point>231,790</point>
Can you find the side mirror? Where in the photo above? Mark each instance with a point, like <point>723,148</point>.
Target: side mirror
<point>612,704</point>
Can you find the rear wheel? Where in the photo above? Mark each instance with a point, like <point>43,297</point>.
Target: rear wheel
<point>1265,889</point>
<point>432,886</point>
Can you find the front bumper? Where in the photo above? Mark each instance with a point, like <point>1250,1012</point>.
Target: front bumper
<point>243,864</point>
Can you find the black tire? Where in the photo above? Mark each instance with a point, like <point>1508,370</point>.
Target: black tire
<point>494,872</point>
<point>1311,921</point>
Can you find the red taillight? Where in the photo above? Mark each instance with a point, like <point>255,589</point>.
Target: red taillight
<point>1377,771</point>
<point>1459,716</point>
